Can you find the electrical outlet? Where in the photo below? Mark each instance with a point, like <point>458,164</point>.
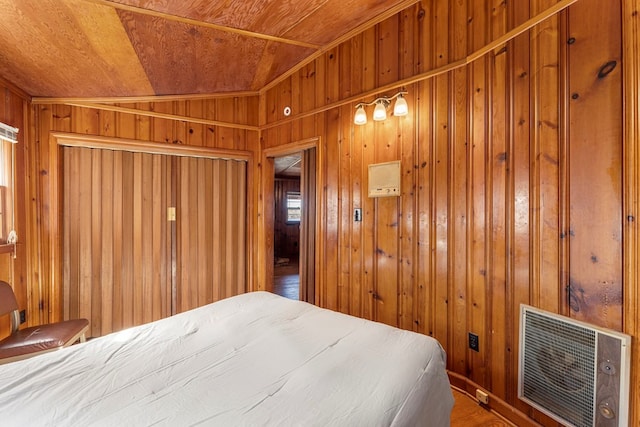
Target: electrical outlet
<point>474,342</point>
<point>482,396</point>
<point>23,316</point>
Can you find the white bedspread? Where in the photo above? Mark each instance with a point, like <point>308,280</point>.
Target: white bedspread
<point>252,360</point>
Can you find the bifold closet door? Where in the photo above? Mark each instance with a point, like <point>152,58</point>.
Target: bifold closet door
<point>116,237</point>
<point>211,218</point>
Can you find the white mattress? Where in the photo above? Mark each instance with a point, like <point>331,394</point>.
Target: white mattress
<point>252,360</point>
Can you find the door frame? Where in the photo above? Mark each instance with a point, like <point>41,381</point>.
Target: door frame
<point>53,220</point>
<point>267,223</point>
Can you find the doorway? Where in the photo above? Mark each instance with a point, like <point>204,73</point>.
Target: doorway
<point>287,225</point>
<point>292,227</point>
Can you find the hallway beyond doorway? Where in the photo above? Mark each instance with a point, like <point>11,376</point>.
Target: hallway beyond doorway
<point>286,281</point>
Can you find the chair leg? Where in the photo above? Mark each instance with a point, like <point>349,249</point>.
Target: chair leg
<point>83,338</point>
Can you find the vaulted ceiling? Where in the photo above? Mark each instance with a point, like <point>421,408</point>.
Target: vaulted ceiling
<point>118,48</point>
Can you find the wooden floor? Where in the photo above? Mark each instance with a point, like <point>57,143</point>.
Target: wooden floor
<point>468,413</point>
<point>286,281</point>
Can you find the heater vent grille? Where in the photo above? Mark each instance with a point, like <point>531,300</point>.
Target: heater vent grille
<point>560,358</point>
<point>573,372</point>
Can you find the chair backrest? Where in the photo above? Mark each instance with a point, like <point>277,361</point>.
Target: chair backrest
<point>9,304</point>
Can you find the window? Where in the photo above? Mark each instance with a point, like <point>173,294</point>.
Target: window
<point>294,206</point>
<point>8,137</point>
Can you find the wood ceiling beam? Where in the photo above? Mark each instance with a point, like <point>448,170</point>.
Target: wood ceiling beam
<point>195,22</point>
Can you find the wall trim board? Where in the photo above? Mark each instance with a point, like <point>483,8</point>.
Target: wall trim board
<point>54,212</point>
<point>294,147</point>
<point>631,191</point>
<point>147,98</point>
<point>111,143</point>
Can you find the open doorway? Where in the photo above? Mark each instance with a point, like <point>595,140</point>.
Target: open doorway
<point>287,225</point>
<point>295,161</point>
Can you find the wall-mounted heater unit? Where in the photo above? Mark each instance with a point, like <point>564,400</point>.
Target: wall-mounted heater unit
<point>574,372</point>
<point>384,179</point>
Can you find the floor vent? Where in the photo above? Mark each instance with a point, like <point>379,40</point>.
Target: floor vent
<point>574,372</point>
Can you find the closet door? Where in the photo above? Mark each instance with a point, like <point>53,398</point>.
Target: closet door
<point>116,237</point>
<point>126,259</point>
<point>211,219</point>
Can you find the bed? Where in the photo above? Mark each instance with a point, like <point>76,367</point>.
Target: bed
<point>256,359</point>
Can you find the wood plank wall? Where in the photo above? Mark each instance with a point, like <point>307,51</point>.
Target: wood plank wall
<point>512,173</point>
<point>42,305</point>
<point>212,252</point>
<point>14,111</point>
<point>124,241</point>
<point>494,210</point>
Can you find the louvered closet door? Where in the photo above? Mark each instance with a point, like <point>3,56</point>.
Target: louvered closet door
<point>211,230</point>
<point>124,262</point>
<point>116,237</point>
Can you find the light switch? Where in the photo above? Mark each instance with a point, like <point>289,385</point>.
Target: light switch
<point>171,213</point>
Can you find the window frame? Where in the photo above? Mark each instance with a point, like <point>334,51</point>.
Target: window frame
<point>296,198</point>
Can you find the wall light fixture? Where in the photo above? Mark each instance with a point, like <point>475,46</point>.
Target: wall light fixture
<point>400,108</point>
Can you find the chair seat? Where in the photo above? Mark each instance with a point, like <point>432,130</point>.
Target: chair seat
<point>39,339</point>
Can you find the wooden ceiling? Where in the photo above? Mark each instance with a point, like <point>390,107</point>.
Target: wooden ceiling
<point>133,48</point>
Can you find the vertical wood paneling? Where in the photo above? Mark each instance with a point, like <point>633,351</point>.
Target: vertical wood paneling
<point>595,165</point>
<point>425,165</point>
<point>135,228</point>
<point>332,129</point>
<point>211,223</point>
<point>631,179</point>
<point>366,142</point>
<point>545,199</point>
<point>479,135</point>
<point>441,289</point>
<point>387,209</point>
<point>520,240</point>
<point>118,241</point>
<point>408,146</point>
<point>96,250</point>
<point>500,206</point>
<point>309,190</point>
<point>106,250</point>
<point>357,286</point>
<point>137,285</point>
<point>345,216</point>
<point>113,295</point>
<point>126,312</point>
<point>457,184</point>
<point>488,154</point>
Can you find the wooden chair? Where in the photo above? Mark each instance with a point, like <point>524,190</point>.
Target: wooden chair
<point>24,343</point>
